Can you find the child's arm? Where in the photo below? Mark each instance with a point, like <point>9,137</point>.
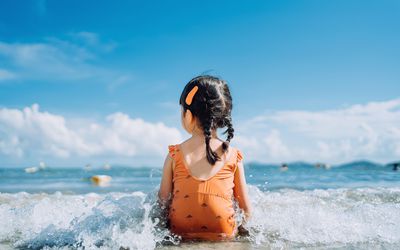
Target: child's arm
<point>240,190</point>
<point>166,182</point>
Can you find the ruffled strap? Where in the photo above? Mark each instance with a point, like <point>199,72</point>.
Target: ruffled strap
<point>239,156</point>
<point>179,169</point>
<point>236,159</point>
<point>173,151</point>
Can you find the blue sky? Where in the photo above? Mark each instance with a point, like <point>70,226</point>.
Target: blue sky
<point>86,60</point>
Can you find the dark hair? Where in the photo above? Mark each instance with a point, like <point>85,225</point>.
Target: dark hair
<point>212,105</point>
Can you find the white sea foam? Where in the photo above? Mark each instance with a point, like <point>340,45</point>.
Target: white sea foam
<point>286,218</point>
<point>326,217</point>
<point>80,221</point>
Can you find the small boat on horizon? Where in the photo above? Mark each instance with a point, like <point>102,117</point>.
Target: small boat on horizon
<point>42,165</point>
<point>31,170</point>
<point>101,180</point>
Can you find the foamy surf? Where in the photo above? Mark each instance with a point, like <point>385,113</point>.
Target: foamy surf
<point>338,218</point>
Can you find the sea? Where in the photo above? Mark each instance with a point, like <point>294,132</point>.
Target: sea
<point>301,206</point>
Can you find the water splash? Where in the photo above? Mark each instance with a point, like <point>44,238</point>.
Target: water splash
<point>335,217</point>
<point>81,221</point>
<point>282,219</point>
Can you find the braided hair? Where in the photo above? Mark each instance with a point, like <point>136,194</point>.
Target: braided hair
<point>212,105</point>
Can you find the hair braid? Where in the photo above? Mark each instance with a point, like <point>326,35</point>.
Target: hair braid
<point>212,106</point>
<point>229,131</point>
<point>212,157</point>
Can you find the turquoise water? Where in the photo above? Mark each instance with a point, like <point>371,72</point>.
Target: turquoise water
<point>299,176</point>
<point>354,205</point>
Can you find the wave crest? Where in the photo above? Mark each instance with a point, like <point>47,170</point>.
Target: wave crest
<point>284,218</point>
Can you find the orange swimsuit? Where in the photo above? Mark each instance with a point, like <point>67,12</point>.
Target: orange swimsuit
<point>203,209</point>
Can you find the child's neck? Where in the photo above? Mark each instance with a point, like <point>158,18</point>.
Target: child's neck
<point>200,134</point>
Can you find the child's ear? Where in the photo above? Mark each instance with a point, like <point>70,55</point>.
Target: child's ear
<point>189,116</point>
<point>188,121</point>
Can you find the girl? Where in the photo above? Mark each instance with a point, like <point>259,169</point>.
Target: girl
<point>203,174</point>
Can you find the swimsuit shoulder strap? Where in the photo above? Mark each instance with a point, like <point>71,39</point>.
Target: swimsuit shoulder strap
<point>177,157</point>
<point>239,156</point>
<point>175,154</point>
<point>173,149</point>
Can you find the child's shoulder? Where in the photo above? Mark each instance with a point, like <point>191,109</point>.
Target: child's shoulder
<point>178,145</point>
<point>173,151</point>
<point>173,147</point>
<point>235,153</point>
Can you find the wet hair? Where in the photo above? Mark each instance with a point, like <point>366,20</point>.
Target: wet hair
<point>212,106</point>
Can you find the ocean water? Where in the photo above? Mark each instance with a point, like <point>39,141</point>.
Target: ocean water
<point>351,206</point>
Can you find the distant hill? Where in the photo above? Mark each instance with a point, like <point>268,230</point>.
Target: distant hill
<point>361,164</point>
<point>297,164</point>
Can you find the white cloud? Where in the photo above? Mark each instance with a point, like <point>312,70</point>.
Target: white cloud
<point>31,132</point>
<point>88,37</point>
<point>70,59</point>
<point>6,75</point>
<point>40,60</point>
<point>92,40</point>
<point>274,145</point>
<point>369,131</point>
